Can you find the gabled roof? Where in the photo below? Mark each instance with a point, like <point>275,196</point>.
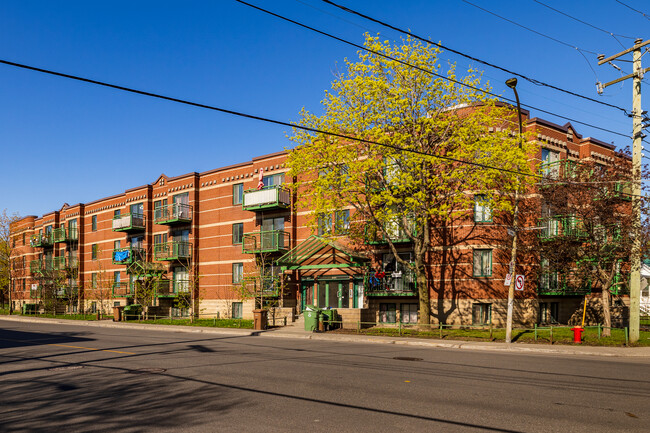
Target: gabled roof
<point>310,254</point>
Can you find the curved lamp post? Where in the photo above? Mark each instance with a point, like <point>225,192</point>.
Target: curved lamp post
<point>512,83</point>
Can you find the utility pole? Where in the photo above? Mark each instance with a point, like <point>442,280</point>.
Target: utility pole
<point>637,137</point>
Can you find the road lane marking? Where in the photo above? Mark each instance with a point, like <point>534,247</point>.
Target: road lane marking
<point>92,348</point>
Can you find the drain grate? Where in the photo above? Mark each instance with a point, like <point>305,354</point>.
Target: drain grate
<point>407,358</point>
<point>148,371</point>
<point>66,367</point>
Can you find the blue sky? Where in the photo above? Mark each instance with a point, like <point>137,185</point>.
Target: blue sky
<point>66,141</point>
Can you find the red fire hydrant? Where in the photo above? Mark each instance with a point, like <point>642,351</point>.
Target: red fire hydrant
<point>577,334</point>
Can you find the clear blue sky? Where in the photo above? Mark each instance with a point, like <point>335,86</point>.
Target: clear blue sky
<point>66,141</point>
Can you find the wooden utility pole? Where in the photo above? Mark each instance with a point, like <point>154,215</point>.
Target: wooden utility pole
<point>637,137</point>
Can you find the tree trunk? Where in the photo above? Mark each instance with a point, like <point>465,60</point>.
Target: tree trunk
<point>423,293</point>
<point>607,313</point>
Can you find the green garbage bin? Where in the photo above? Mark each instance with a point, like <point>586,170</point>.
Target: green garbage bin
<point>331,315</point>
<point>311,318</point>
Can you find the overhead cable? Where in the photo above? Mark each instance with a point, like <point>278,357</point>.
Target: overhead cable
<point>460,83</point>
<point>475,59</point>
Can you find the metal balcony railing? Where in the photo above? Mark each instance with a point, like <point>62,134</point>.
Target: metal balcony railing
<point>269,197</point>
<point>62,234</point>
<point>401,283</point>
<point>128,255</point>
<point>174,213</point>
<point>173,251</point>
<point>561,226</point>
<point>41,240</point>
<point>270,241</point>
<point>128,223</point>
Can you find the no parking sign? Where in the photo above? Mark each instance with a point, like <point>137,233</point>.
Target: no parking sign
<point>519,282</point>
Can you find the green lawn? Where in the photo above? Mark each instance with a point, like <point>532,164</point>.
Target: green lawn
<point>211,323</point>
<point>560,335</point>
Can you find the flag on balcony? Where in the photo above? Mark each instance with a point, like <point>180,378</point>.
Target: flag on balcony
<point>260,184</point>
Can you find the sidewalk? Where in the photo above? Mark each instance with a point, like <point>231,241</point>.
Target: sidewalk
<point>299,333</point>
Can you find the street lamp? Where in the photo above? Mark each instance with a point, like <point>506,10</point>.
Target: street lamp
<point>512,83</point>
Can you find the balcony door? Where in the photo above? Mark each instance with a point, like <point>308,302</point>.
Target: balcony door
<point>182,205</point>
<point>270,238</point>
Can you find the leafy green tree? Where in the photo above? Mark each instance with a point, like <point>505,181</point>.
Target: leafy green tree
<point>7,249</point>
<point>404,168</point>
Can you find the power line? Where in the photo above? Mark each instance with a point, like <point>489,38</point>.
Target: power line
<point>361,47</point>
<point>492,65</point>
<point>635,10</point>
<point>586,23</point>
<point>273,121</point>
<point>530,30</point>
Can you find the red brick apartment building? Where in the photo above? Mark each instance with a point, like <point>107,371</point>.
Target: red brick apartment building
<point>200,235</point>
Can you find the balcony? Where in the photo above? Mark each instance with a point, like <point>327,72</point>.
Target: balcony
<point>395,233</point>
<point>267,198</point>
<point>35,293</point>
<point>40,266</point>
<point>623,190</point>
<point>172,288</point>
<point>128,223</point>
<point>272,241</point>
<point>126,256</point>
<point>557,284</point>
<point>402,283</point>
<point>69,291</point>
<point>561,227</point>
<point>122,289</point>
<point>176,213</point>
<point>62,234</point>
<point>58,263</point>
<point>558,170</point>
<point>41,240</point>
<point>173,251</point>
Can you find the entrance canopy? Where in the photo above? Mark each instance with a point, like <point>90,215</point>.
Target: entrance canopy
<point>318,253</point>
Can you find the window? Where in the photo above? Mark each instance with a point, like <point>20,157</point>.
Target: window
<point>341,222</point>
<point>387,313</point>
<point>93,307</point>
<point>237,193</point>
<point>237,310</point>
<point>94,252</point>
<point>408,313</point>
<point>481,314</point>
<point>94,221</point>
<point>116,277</point>
<point>237,233</point>
<point>274,179</point>
<point>24,239</point>
<point>550,163</point>
<point>117,245</point>
<point>482,210</point>
<point>237,273</point>
<point>160,239</point>
<point>117,213</point>
<point>324,224</point>
<point>93,280</point>
<point>159,209</point>
<point>482,263</point>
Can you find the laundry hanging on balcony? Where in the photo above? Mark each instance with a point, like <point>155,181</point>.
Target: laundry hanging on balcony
<point>120,256</point>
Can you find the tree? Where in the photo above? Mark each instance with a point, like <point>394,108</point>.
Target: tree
<point>7,249</point>
<point>403,168</point>
<point>589,229</point>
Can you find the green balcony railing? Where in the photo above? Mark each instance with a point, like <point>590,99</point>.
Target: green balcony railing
<point>128,255</point>
<point>173,251</point>
<point>174,213</point>
<point>62,234</point>
<point>128,223</point>
<point>558,284</point>
<point>58,263</point>
<point>269,197</point>
<point>623,190</point>
<point>558,170</point>
<point>403,283</point>
<point>561,226</point>
<point>35,293</point>
<point>41,240</point>
<point>40,266</point>
<point>70,290</point>
<point>271,241</point>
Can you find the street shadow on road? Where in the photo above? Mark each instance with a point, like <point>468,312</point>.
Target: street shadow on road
<point>11,338</point>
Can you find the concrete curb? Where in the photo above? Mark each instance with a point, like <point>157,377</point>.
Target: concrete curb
<point>602,351</point>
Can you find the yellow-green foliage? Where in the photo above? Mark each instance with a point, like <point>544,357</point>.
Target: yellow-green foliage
<point>419,118</point>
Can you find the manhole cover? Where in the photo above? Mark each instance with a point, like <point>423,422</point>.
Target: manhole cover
<point>66,367</point>
<point>407,358</point>
<point>148,371</point>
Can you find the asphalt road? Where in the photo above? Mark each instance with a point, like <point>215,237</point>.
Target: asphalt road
<point>68,378</point>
